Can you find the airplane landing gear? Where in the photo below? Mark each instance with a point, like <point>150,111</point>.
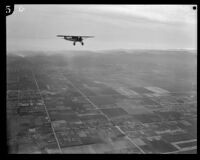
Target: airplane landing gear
<point>74,43</point>
<point>82,43</point>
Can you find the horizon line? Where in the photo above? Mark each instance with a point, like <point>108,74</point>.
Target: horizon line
<point>114,49</point>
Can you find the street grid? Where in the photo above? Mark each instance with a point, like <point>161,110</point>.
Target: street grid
<point>87,98</point>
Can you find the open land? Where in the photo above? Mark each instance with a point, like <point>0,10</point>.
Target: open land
<point>115,102</point>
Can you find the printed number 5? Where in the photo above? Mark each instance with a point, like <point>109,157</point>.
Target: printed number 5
<point>8,10</point>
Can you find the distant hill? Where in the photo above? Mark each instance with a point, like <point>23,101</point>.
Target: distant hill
<point>169,65</point>
<point>116,51</point>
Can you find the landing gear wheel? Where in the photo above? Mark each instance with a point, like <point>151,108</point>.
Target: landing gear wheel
<point>74,43</point>
<point>82,43</point>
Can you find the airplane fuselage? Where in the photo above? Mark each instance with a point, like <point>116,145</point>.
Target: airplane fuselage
<point>75,39</point>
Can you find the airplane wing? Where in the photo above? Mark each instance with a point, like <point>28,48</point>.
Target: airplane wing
<point>63,36</point>
<point>87,36</point>
<point>75,36</point>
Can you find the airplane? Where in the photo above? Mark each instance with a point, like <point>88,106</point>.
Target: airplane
<point>75,38</point>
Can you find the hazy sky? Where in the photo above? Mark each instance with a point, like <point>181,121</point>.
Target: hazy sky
<point>34,27</point>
